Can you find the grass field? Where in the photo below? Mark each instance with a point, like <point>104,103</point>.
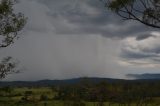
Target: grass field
<point>44,97</point>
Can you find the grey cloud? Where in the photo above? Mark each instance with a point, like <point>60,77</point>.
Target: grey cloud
<point>144,36</point>
<point>70,38</point>
<point>89,17</point>
<point>136,55</point>
<point>145,49</point>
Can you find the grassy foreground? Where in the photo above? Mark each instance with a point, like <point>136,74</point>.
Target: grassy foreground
<point>44,96</point>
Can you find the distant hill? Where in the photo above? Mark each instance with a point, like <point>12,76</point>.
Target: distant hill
<point>54,82</point>
<point>42,83</point>
<point>144,76</point>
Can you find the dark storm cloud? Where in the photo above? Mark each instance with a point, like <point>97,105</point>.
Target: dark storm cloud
<point>90,17</point>
<point>60,55</point>
<point>71,38</point>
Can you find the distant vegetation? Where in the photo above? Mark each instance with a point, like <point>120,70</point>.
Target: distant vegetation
<point>85,92</point>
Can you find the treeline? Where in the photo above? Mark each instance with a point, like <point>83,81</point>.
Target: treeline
<point>86,90</point>
<point>142,92</point>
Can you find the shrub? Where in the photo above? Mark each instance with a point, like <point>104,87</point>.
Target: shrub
<point>43,97</point>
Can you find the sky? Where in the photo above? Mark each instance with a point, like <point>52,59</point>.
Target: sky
<point>81,38</point>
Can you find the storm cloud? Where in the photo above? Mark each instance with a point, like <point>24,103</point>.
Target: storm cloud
<point>85,17</point>
<point>77,38</point>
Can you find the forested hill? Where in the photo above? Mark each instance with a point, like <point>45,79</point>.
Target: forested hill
<point>54,82</point>
<point>42,83</point>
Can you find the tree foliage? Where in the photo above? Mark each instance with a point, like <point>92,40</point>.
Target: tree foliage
<point>144,11</point>
<point>10,24</point>
<point>8,66</point>
<point>111,93</point>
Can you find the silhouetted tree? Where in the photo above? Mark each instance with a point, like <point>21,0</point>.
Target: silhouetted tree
<point>8,66</point>
<point>10,24</point>
<point>144,11</point>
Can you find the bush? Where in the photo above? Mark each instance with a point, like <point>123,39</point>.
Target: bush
<point>23,99</point>
<point>28,93</point>
<point>43,97</point>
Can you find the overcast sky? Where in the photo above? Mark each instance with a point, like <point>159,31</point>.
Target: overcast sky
<point>80,38</point>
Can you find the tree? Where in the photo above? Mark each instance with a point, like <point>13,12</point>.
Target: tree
<point>7,66</point>
<point>10,24</point>
<point>102,93</point>
<point>143,11</point>
<point>7,90</point>
<point>27,95</point>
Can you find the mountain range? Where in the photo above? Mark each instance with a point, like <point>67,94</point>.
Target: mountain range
<point>93,80</point>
